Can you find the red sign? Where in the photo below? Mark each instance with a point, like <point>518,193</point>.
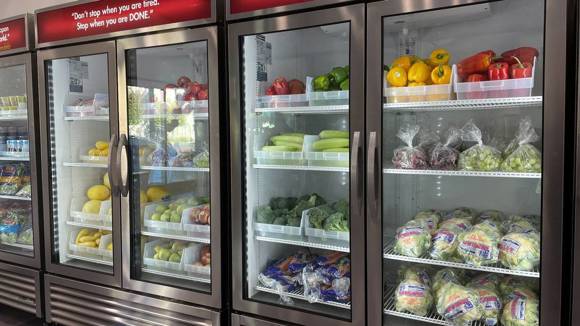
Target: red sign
<point>13,34</point>
<point>239,6</point>
<point>107,16</point>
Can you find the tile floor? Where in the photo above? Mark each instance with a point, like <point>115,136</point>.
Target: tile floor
<point>14,317</point>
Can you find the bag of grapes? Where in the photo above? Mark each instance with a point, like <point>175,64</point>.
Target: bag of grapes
<point>444,155</point>
<point>409,157</point>
<point>521,155</point>
<point>478,157</point>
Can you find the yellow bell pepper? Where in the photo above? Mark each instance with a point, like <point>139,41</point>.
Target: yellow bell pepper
<point>397,77</point>
<point>440,57</point>
<point>441,74</point>
<point>413,84</point>
<point>419,72</point>
<point>404,61</point>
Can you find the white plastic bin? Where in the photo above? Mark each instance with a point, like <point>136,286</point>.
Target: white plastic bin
<point>77,214</point>
<point>330,159</point>
<point>425,93</point>
<point>105,240</point>
<point>340,238</point>
<point>521,87</point>
<point>279,158</point>
<point>281,101</point>
<point>267,230</point>
<point>153,225</point>
<point>191,260</point>
<point>85,157</point>
<point>325,98</point>
<point>82,250</point>
<point>193,229</point>
<point>149,252</point>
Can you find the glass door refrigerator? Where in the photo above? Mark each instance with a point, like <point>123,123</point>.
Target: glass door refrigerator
<point>168,165</point>
<point>78,111</point>
<point>19,178</point>
<point>297,118</point>
<point>465,135</point>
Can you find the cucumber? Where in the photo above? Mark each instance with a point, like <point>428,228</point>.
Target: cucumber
<point>295,134</point>
<point>337,150</point>
<point>278,149</point>
<point>323,144</point>
<point>291,139</point>
<point>296,147</point>
<point>327,134</point>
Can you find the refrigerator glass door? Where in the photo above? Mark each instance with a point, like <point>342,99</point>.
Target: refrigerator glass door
<point>16,232</point>
<point>78,119</point>
<point>296,167</point>
<point>169,159</point>
<point>462,163</point>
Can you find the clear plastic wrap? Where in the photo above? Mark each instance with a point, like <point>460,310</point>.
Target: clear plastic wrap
<point>521,312</point>
<point>413,294</point>
<point>429,219</point>
<point>490,304</point>
<point>444,244</point>
<point>428,140</point>
<point>327,278</point>
<point>456,224</point>
<point>478,247</point>
<point>444,276</point>
<point>518,224</point>
<point>444,156</point>
<point>409,157</point>
<point>492,215</point>
<point>461,212</point>
<point>478,157</point>
<point>26,237</point>
<point>511,287</point>
<point>521,155</point>
<point>520,251</point>
<point>486,280</point>
<point>458,304</point>
<point>284,275</point>
<point>412,240</point>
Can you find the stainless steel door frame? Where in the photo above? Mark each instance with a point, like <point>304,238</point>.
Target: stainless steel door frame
<point>354,15</point>
<point>28,60</point>
<point>108,48</point>
<point>28,281</point>
<point>553,139</point>
<point>241,320</point>
<point>210,35</point>
<point>70,302</point>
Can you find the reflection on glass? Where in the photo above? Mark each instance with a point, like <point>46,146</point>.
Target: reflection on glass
<point>79,141</point>
<point>167,103</point>
<point>16,234</point>
<point>462,163</point>
<point>296,106</point>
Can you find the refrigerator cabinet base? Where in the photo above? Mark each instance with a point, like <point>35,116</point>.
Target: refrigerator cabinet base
<point>241,320</point>
<point>75,303</point>
<point>20,288</point>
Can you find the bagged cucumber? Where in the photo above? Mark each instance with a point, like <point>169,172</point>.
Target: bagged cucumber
<point>323,144</point>
<point>291,139</point>
<point>279,149</point>
<point>327,134</point>
<point>337,150</point>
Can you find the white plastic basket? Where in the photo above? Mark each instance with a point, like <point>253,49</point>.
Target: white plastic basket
<point>281,101</point>
<point>265,229</point>
<point>77,215</point>
<point>85,157</point>
<point>341,237</point>
<point>192,256</point>
<point>193,229</point>
<point>82,250</point>
<point>521,87</point>
<point>105,240</point>
<point>335,159</point>
<point>279,158</point>
<point>149,252</point>
<point>325,98</point>
<point>425,93</point>
<point>160,225</point>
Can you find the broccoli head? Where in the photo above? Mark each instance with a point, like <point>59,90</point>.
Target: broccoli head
<point>341,206</point>
<point>318,215</point>
<point>336,222</point>
<point>265,214</point>
<point>280,220</point>
<point>282,202</point>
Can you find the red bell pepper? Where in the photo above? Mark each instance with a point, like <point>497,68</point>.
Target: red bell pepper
<point>477,63</point>
<point>524,54</point>
<point>281,86</point>
<point>476,78</point>
<point>498,71</point>
<point>520,69</point>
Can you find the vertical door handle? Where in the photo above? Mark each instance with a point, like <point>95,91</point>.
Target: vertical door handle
<point>372,165</point>
<point>112,159</point>
<point>355,168</point>
<point>122,174</point>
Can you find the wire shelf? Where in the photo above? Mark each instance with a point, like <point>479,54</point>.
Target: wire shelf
<point>176,237</point>
<point>532,102</point>
<point>303,242</point>
<point>389,253</point>
<point>322,109</point>
<point>85,165</point>
<point>491,174</point>
<point>299,294</point>
<point>301,168</point>
<point>432,316</point>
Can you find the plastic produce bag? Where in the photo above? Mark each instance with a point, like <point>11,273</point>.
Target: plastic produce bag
<point>461,212</point>
<point>521,155</point>
<point>511,287</point>
<point>25,191</point>
<point>413,294</point>
<point>412,240</point>
<point>10,226</point>
<point>444,244</point>
<point>486,280</point>
<point>521,312</point>
<point>456,224</point>
<point>492,215</point>
<point>444,276</point>
<point>518,224</point>
<point>458,304</point>
<point>428,140</point>
<point>490,305</point>
<point>520,251</point>
<point>478,246</point>
<point>415,272</point>
<point>444,156</point>
<point>478,157</point>
<point>25,237</point>
<point>11,178</point>
<point>428,218</point>
<point>409,157</point>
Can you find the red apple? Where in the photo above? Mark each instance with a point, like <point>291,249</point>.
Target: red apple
<point>183,81</point>
<point>194,88</point>
<point>189,97</point>
<point>202,94</point>
<point>270,91</point>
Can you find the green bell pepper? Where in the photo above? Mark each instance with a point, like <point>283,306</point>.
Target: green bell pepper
<point>321,83</point>
<point>345,85</point>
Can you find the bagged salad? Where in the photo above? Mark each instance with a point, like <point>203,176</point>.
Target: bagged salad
<point>413,294</point>
<point>520,251</point>
<point>412,240</point>
<point>461,212</point>
<point>478,157</point>
<point>490,304</point>
<point>518,224</point>
<point>445,276</point>
<point>521,312</point>
<point>444,243</point>
<point>409,156</point>
<point>428,218</point>
<point>521,155</point>
<point>479,246</point>
<point>458,304</point>
<point>444,156</point>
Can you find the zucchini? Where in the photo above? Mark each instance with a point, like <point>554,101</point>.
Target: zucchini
<point>327,134</point>
<point>295,134</point>
<point>323,144</point>
<point>291,139</point>
<point>278,149</point>
<point>296,147</point>
<point>337,150</point>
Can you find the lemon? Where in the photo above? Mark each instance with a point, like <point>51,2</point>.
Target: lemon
<point>94,152</point>
<point>101,144</point>
<point>98,192</point>
<point>156,193</point>
<point>92,207</point>
<point>106,180</point>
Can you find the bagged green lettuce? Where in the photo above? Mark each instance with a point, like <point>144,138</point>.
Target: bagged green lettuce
<point>461,212</point>
<point>491,214</point>
<point>478,247</point>
<point>478,157</point>
<point>490,304</point>
<point>458,304</point>
<point>520,251</point>
<point>444,244</point>
<point>413,294</point>
<point>521,155</point>
<point>521,312</point>
<point>412,240</point>
<point>445,276</point>
<point>429,218</point>
<point>518,224</point>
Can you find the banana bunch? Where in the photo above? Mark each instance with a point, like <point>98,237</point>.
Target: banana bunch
<point>101,149</point>
<point>91,238</point>
<point>170,251</point>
